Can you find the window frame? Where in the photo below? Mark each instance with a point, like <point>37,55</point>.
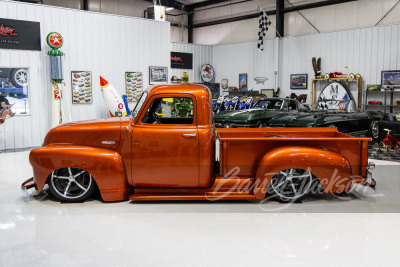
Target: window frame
<point>154,97</point>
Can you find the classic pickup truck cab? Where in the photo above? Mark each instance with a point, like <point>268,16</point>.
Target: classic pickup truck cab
<point>167,151</point>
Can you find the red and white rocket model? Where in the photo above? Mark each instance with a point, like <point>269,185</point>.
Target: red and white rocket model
<point>112,98</point>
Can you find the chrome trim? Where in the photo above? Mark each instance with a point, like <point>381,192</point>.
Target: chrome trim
<point>108,142</point>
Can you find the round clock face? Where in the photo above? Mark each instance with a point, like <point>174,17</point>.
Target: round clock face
<point>207,73</point>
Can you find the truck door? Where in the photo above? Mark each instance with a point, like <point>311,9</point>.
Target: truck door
<point>165,150</point>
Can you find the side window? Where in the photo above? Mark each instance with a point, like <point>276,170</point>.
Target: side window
<point>170,110</point>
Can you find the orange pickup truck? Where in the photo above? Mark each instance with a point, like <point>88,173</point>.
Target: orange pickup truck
<point>167,151</point>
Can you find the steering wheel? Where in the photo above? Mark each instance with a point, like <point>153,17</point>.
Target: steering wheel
<point>156,118</point>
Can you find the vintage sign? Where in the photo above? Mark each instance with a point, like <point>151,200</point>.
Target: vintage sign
<point>19,34</point>
<point>54,40</point>
<point>181,60</point>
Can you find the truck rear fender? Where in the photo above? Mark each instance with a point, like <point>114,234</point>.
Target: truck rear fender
<point>106,167</point>
<point>331,169</point>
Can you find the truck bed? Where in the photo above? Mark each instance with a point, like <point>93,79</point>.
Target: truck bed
<point>244,147</point>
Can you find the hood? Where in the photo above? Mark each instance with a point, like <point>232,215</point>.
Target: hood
<point>100,133</point>
<point>244,115</point>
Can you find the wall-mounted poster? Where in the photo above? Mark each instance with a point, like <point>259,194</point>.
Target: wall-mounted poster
<point>242,81</point>
<point>158,75</point>
<point>19,34</point>
<point>14,84</point>
<point>181,60</point>
<point>133,85</point>
<point>298,81</point>
<point>391,78</point>
<point>81,82</point>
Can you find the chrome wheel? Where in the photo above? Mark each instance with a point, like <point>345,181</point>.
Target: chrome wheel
<point>291,184</point>
<point>71,184</point>
<point>19,77</point>
<point>262,124</point>
<point>374,129</point>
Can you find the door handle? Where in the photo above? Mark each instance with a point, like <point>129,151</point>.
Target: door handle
<point>189,135</point>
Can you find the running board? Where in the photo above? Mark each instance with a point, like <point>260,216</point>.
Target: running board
<point>200,196</point>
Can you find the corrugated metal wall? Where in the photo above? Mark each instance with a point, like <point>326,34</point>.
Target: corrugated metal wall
<point>365,51</point>
<point>231,60</point>
<point>201,55</point>
<point>94,42</point>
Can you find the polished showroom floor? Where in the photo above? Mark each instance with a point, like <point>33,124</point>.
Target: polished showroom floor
<point>328,230</point>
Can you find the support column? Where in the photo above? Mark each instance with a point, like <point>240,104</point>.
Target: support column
<point>190,24</point>
<point>280,23</point>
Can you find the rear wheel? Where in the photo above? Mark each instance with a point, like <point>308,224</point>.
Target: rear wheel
<point>71,184</point>
<point>291,185</point>
<point>374,129</point>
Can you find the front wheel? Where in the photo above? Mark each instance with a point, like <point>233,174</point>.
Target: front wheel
<point>384,146</point>
<point>291,185</point>
<point>262,124</point>
<point>71,184</point>
<point>19,77</point>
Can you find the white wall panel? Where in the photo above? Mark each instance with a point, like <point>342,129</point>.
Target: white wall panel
<point>231,60</point>
<point>107,45</point>
<point>366,51</point>
<point>202,54</point>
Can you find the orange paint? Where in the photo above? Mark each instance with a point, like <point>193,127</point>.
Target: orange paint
<point>176,161</point>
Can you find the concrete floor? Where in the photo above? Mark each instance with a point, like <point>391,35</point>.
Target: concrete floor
<point>324,230</point>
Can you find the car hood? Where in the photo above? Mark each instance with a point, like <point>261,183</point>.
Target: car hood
<point>245,115</point>
<point>100,133</point>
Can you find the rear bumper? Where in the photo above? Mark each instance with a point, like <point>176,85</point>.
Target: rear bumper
<point>365,186</point>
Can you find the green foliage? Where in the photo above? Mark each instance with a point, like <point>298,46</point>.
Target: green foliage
<point>181,107</point>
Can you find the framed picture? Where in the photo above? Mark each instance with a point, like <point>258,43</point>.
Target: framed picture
<point>133,85</point>
<point>14,83</point>
<point>390,78</point>
<point>158,75</point>
<point>242,81</point>
<point>81,84</point>
<point>298,81</point>
<point>268,92</point>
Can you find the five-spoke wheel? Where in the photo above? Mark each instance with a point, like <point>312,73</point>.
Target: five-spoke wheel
<point>291,184</point>
<point>71,184</point>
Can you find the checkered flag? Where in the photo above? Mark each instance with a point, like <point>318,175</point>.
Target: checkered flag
<point>263,24</point>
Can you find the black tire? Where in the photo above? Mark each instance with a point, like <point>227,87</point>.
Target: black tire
<point>262,124</point>
<point>19,77</point>
<point>291,185</point>
<point>374,129</point>
<point>71,184</point>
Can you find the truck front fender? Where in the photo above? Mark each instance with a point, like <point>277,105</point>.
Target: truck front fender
<point>331,168</point>
<point>106,167</point>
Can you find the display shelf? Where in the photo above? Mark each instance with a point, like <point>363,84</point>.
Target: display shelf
<point>357,79</point>
<point>387,102</point>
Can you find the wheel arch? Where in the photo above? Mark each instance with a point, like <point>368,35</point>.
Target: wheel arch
<point>106,167</point>
<point>331,169</point>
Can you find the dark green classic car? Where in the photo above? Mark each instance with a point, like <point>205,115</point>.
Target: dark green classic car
<point>259,115</point>
<point>354,123</point>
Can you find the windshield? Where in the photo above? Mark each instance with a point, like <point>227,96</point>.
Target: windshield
<point>139,104</point>
<point>269,104</point>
